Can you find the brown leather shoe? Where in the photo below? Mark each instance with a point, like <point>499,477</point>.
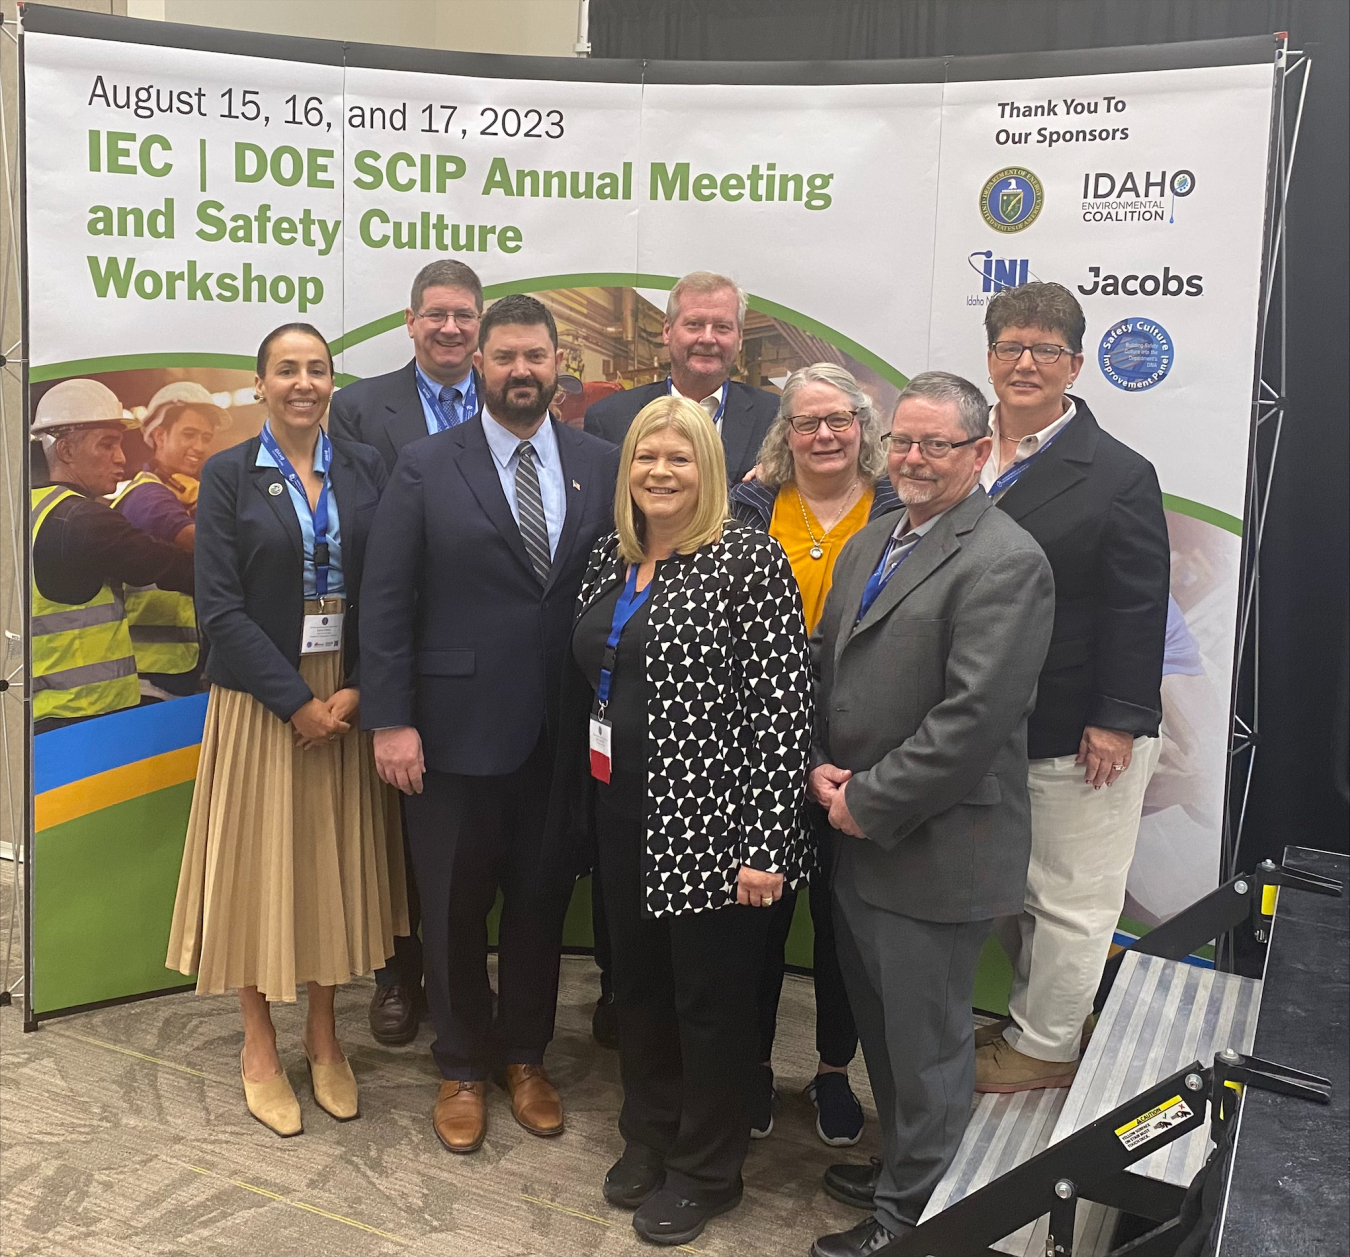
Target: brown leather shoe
<point>459,1119</point>
<point>395,1012</point>
<point>534,1100</point>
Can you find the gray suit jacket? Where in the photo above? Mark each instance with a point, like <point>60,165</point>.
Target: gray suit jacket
<point>926,701</point>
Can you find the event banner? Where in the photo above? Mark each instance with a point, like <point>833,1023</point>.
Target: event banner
<point>188,190</point>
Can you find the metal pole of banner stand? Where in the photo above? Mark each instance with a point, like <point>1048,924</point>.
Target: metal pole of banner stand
<point>583,45</point>
<point>13,673</point>
<point>1269,407</point>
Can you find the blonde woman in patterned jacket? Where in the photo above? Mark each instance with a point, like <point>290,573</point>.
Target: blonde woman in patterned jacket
<point>693,681</point>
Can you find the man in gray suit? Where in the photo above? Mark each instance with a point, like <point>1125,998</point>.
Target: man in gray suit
<point>926,662</point>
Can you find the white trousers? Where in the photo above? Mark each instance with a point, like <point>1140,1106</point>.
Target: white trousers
<point>1082,842</point>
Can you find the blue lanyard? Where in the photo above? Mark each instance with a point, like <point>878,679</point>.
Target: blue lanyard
<point>721,406</point>
<point>468,405</point>
<point>880,578</point>
<point>319,513</point>
<point>1014,473</point>
<point>624,610</point>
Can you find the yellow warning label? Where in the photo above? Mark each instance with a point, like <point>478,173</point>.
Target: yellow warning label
<point>1150,1125</point>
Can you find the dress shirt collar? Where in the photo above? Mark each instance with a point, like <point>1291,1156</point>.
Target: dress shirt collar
<point>712,403</point>
<point>435,388</point>
<point>265,458</point>
<point>903,532</point>
<point>1027,446</point>
<point>503,442</point>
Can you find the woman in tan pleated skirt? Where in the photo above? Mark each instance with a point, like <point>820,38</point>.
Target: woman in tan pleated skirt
<point>293,866</point>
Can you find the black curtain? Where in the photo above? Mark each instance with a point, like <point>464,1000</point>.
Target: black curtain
<point>1299,792</point>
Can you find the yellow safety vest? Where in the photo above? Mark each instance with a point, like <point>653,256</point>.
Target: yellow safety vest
<point>83,664</point>
<point>163,623</point>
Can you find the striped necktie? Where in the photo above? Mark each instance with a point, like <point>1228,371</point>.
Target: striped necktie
<point>530,512</point>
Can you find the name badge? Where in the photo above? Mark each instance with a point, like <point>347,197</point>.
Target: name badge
<point>601,731</point>
<point>321,634</point>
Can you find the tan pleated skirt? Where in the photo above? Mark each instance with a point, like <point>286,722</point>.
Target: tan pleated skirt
<point>293,866</point>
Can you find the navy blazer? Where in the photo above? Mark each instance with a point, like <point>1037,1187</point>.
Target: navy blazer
<point>1095,508</point>
<point>384,411</point>
<point>745,422</point>
<point>459,637</point>
<point>250,569</point>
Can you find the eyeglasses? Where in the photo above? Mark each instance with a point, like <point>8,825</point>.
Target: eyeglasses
<point>462,318</point>
<point>1012,351</point>
<point>928,447</point>
<point>808,425</point>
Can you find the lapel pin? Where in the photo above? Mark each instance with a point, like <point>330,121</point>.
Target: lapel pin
<point>576,486</point>
<point>275,489</point>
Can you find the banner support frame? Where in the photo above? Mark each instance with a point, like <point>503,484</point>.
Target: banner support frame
<point>1269,403</point>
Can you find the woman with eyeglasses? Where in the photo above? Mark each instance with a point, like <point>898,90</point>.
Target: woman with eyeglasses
<point>821,478</point>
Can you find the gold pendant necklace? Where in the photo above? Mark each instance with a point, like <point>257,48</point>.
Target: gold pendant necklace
<point>817,551</point>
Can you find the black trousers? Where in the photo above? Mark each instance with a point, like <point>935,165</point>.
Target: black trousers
<point>683,988</point>
<point>404,967</point>
<point>470,836</point>
<point>836,1032</point>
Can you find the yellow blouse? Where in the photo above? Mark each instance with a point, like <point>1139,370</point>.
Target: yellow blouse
<point>789,528</point>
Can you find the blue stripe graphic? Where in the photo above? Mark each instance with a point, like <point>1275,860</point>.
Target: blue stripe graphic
<point>114,740</point>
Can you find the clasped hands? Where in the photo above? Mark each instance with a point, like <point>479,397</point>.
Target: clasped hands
<point>320,722</point>
<point>826,786</point>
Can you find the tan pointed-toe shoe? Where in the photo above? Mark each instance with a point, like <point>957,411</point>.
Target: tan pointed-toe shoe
<point>534,1100</point>
<point>334,1088</point>
<point>459,1119</point>
<point>273,1103</point>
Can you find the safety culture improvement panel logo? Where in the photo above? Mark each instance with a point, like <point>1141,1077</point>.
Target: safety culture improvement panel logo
<point>1011,200</point>
<point>1136,354</point>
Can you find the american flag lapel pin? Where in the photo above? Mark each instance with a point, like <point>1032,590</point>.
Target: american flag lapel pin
<point>576,486</point>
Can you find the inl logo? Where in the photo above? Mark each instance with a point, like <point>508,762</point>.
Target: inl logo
<point>999,273</point>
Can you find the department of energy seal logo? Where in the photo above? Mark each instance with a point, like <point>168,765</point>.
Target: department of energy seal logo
<point>1136,354</point>
<point>1012,199</point>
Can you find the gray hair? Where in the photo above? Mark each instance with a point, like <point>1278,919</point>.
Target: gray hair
<point>775,456</point>
<point>972,407</point>
<point>705,282</point>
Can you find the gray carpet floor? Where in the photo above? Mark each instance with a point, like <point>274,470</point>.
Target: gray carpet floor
<point>123,1133</point>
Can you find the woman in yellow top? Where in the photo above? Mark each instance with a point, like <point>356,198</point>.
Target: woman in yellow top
<point>822,477</point>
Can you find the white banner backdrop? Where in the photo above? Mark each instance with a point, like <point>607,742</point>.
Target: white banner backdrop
<point>180,203</point>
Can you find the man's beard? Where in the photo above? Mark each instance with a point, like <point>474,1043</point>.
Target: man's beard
<point>915,492</point>
<point>502,407</point>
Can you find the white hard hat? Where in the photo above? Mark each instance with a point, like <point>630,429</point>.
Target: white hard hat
<point>183,393</point>
<point>75,402</point>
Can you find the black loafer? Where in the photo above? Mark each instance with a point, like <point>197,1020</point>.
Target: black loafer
<point>395,1012</point>
<point>854,1185</point>
<point>869,1236</point>
<point>605,1022</point>
<point>634,1177</point>
<point>668,1218</point>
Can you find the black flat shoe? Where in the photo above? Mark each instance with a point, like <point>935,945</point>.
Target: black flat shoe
<point>854,1185</point>
<point>869,1236</point>
<point>634,1177</point>
<point>668,1218</point>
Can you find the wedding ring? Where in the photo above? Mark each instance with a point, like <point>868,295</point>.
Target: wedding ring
<point>766,901</point>
<point>1117,768</point>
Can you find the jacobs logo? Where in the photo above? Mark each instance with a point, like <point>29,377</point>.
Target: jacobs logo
<point>1012,199</point>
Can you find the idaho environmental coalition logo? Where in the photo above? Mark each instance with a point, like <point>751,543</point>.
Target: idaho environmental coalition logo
<point>1012,199</point>
<point>1136,354</point>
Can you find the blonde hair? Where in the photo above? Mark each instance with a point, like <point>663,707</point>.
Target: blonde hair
<point>703,284</point>
<point>776,467</point>
<point>690,421</point>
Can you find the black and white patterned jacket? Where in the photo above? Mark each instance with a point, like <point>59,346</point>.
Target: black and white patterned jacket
<point>729,725</point>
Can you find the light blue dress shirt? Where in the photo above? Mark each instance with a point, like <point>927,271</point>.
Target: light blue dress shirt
<point>548,463</point>
<point>336,587</point>
<point>454,406</point>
